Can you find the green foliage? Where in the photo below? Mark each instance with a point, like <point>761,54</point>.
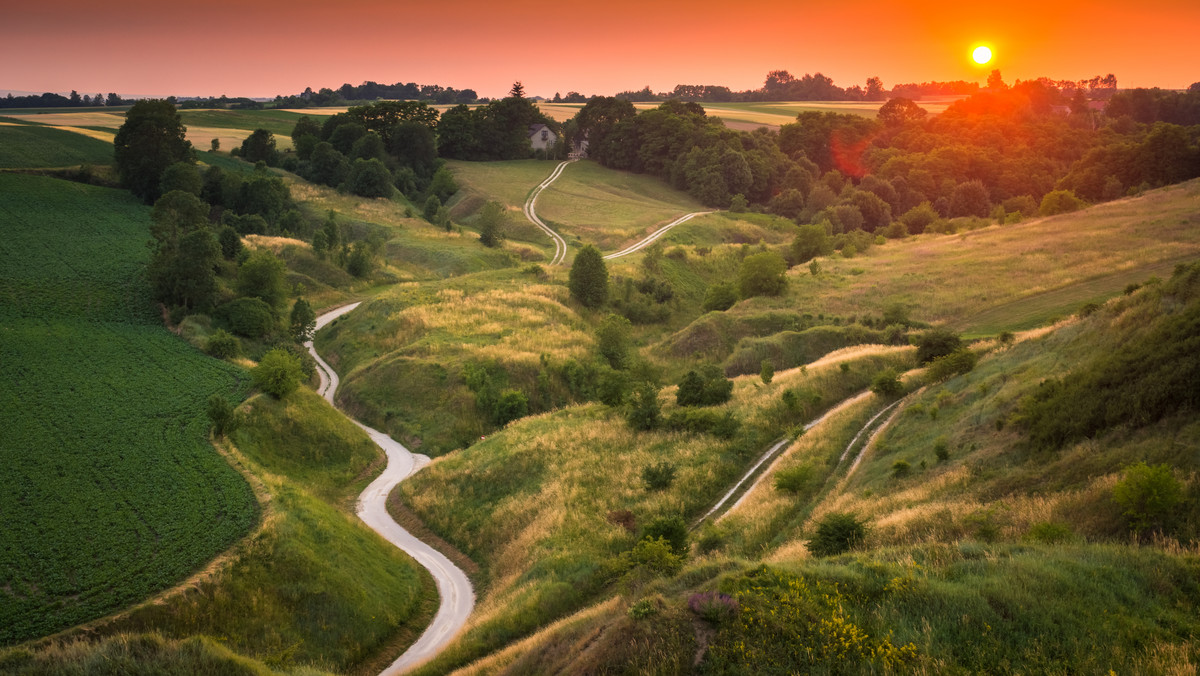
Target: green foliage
<point>182,176</point>
<point>645,411</point>
<point>960,361</point>
<point>811,241</point>
<point>221,415</point>
<point>708,387</point>
<point>738,204</point>
<point>795,480</point>
<point>493,221</point>
<point>259,146</point>
<point>249,317</point>
<point>613,340</point>
<point>673,529</point>
<point>723,424</point>
<point>510,405</point>
<point>432,204</point>
<point>223,345</point>
<point>231,243</point>
<point>303,321</point>
<point>642,609</point>
<point>262,276</point>
<point>588,279</point>
<point>151,139</point>
<point>278,373</point>
<point>370,178</point>
<point>1050,533</point>
<point>887,383</point>
<point>1149,496</point>
<point>720,297</point>
<point>837,533</point>
<point>36,147</point>
<point>1059,202</point>
<point>648,558</point>
<point>658,476</point>
<point>937,343</point>
<point>361,260</point>
<point>901,469</point>
<point>970,199</point>
<point>941,450</point>
<point>766,372</point>
<point>762,274</point>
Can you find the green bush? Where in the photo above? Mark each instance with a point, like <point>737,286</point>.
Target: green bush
<point>901,469</point>
<point>955,363</point>
<point>249,317</point>
<point>937,343</point>
<point>709,387</point>
<point>644,412</point>
<point>837,533</point>
<point>277,374</point>
<point>1059,202</point>
<point>510,405</point>
<point>1050,533</point>
<point>723,425</point>
<point>762,274</point>
<point>1149,496</point>
<point>221,415</point>
<point>672,528</point>
<point>658,476</point>
<point>887,383</point>
<point>794,480</point>
<point>223,345</point>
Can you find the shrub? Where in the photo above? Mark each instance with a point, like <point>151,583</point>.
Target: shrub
<point>510,405</point>
<point>588,278</point>
<point>794,480</point>
<point>713,607</point>
<point>278,374</point>
<point>612,338</point>
<point>916,219</point>
<point>222,415</point>
<point>644,411</point>
<point>708,388</point>
<point>658,476</point>
<point>642,609</point>
<point>1148,495</point>
<point>766,371</point>
<point>672,528</point>
<point>762,274</point>
<point>959,361</point>
<point>249,317</point>
<point>719,297</point>
<point>723,425</point>
<point>937,343</point>
<point>837,533</point>
<point>901,469</point>
<point>1050,533</point>
<point>887,383</point>
<point>1059,202</point>
<point>223,345</point>
<point>941,450</point>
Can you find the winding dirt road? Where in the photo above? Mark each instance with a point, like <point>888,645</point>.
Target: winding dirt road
<point>454,589</point>
<point>560,244</point>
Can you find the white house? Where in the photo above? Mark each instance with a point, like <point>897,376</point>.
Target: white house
<point>541,137</point>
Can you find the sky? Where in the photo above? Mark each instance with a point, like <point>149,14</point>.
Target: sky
<point>261,48</point>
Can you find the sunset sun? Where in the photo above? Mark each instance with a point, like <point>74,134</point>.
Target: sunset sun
<point>982,54</point>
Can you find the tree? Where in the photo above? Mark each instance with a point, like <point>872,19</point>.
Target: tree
<point>719,297</point>
<point>970,199</point>
<point>303,321</point>
<point>762,274</point>
<point>370,178</point>
<point>708,387</point>
<point>151,139</point>
<point>811,241</point>
<point>360,261</point>
<point>588,279</point>
<point>182,176</point>
<point>766,371</point>
<point>221,415</point>
<point>305,126</point>
<point>886,383</point>
<point>900,111</point>
<point>259,146</point>
<point>262,276</point>
<point>995,82</point>
<point>837,533</point>
<point>230,241</point>
<point>612,340</point>
<point>672,528</point>
<point>937,343</point>
<point>493,220</point>
<point>278,374</point>
<point>875,90</point>
<point>1059,202</point>
<point>432,204</point>
<point>517,91</point>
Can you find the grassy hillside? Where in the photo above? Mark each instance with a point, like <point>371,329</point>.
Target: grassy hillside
<point>34,147</point>
<point>112,492</point>
<point>1001,555</point>
<point>550,504</point>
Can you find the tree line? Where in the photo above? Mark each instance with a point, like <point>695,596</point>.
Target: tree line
<point>52,100</point>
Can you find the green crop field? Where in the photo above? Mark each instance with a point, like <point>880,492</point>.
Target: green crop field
<point>278,122</point>
<point>111,491</point>
<point>35,147</point>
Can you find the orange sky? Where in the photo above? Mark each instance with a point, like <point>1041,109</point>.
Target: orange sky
<point>268,47</point>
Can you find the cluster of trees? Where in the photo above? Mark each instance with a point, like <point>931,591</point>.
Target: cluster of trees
<point>1007,153</point>
<point>780,85</point>
<point>373,91</point>
<point>369,151</point>
<point>222,101</point>
<point>496,131</point>
<point>52,100</point>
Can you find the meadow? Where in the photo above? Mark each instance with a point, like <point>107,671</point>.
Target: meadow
<point>119,446</point>
<point>36,147</point>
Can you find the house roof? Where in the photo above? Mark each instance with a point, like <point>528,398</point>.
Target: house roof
<point>535,128</point>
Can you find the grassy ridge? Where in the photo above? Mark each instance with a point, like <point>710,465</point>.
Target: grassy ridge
<point>34,147</point>
<point>112,492</point>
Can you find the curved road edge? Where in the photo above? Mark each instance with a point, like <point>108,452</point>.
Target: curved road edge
<point>652,237</point>
<point>560,244</point>
<point>454,589</point>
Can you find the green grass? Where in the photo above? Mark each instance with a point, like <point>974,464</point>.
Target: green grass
<point>34,147</point>
<point>135,654</point>
<point>111,491</point>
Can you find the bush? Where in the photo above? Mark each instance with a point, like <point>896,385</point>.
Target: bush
<point>794,480</point>
<point>370,178</point>
<point>837,533</point>
<point>221,415</point>
<point>714,607</point>
<point>249,317</point>
<point>1059,202</point>
<point>887,383</point>
<point>510,405</point>
<point>612,339</point>
<point>644,412</point>
<point>959,361</point>
<point>901,469</point>
<point>1050,533</point>
<point>672,528</point>
<point>1148,495</point>
<point>937,343</point>
<point>588,278</point>
<point>918,218</point>
<point>723,425</point>
<point>278,374</point>
<point>658,476</point>
<point>766,372</point>
<point>708,388</point>
<point>941,450</point>
<point>762,274</point>
<point>223,345</point>
<point>719,297</point>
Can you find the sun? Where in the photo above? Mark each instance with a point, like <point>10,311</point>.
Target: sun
<point>982,54</point>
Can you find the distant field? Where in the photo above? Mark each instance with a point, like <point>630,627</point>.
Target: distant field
<point>35,147</point>
<point>278,122</point>
<point>110,491</point>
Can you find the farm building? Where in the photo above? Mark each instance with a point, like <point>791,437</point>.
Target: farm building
<point>541,137</point>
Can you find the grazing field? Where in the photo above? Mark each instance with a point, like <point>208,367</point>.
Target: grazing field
<point>35,147</point>
<point>111,491</point>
